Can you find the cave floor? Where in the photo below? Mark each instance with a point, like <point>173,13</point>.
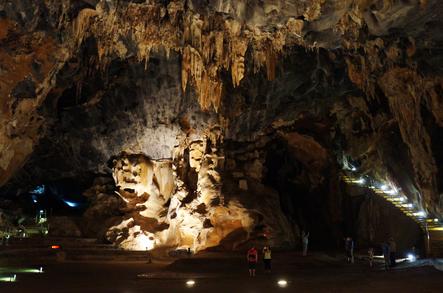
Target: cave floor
<point>216,272</point>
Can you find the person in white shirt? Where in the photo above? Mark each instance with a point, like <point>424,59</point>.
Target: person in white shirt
<point>305,242</point>
<point>267,257</point>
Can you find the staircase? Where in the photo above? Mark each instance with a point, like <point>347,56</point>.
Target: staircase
<point>430,226</point>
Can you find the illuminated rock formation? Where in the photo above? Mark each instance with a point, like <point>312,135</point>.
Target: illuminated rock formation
<point>165,212</point>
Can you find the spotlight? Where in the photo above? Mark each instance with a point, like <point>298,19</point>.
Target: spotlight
<point>383,187</point>
<point>436,220</point>
<point>41,270</point>
<point>190,283</point>
<point>353,168</point>
<point>411,257</point>
<point>282,283</point>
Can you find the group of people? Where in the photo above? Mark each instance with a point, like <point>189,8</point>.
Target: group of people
<point>252,258</point>
<point>389,249</point>
<point>252,255</point>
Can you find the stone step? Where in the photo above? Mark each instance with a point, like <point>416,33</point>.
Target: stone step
<point>76,254</point>
<point>45,243</point>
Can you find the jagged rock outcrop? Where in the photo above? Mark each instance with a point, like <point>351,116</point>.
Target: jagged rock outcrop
<point>180,203</point>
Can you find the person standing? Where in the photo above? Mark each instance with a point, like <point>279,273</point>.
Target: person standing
<point>305,242</point>
<point>371,256</point>
<point>392,251</point>
<point>386,254</point>
<point>349,249</point>
<point>267,257</point>
<point>252,257</point>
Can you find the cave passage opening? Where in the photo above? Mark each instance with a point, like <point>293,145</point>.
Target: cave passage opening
<point>301,199</point>
<point>62,197</point>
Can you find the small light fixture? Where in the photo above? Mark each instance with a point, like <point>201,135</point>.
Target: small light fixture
<point>353,168</point>
<point>411,257</point>
<point>436,220</point>
<point>282,283</point>
<point>420,214</point>
<point>383,187</point>
<point>40,270</point>
<point>391,192</point>
<point>190,283</point>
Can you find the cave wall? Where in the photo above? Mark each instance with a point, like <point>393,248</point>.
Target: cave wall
<point>378,221</point>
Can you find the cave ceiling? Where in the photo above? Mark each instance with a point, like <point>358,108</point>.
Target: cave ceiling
<point>83,81</point>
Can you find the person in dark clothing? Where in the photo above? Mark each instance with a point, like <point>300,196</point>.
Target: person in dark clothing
<point>392,251</point>
<point>386,254</point>
<point>349,249</point>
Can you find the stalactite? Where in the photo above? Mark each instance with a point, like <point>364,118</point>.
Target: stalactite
<point>204,52</point>
<point>435,99</point>
<point>82,23</point>
<point>143,53</point>
<point>270,63</point>
<point>237,53</point>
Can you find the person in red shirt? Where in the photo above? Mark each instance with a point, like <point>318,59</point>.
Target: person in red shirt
<point>252,257</point>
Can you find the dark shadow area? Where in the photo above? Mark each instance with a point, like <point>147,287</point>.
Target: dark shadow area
<point>301,201</point>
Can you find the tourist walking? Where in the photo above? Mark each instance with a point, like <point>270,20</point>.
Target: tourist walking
<point>392,251</point>
<point>386,254</point>
<point>349,249</point>
<point>267,258</point>
<point>371,256</point>
<point>305,242</point>
<point>252,257</point>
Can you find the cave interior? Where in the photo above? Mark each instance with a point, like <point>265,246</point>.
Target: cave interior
<point>217,124</point>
